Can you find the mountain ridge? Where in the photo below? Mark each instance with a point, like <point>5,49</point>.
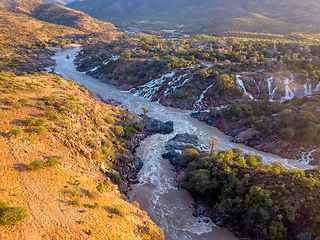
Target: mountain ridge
<point>190,15</point>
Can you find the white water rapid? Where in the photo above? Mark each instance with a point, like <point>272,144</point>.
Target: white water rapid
<point>166,205</point>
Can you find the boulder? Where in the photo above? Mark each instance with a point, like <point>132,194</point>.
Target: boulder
<point>172,156</point>
<point>245,135</point>
<point>157,126</point>
<point>181,140</point>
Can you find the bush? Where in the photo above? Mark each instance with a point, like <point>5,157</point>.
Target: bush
<point>3,205</point>
<point>75,202</point>
<point>52,162</point>
<point>29,122</point>
<point>12,215</point>
<point>116,177</point>
<point>40,121</point>
<point>40,129</point>
<point>119,210</point>
<point>36,165</point>
<point>16,132</point>
<point>101,187</point>
<point>119,131</point>
<point>23,101</point>
<point>109,119</point>
<point>179,93</point>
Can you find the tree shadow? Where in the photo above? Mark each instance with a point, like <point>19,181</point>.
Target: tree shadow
<point>20,167</point>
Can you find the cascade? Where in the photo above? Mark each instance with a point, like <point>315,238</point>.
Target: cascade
<point>288,93</point>
<point>148,90</point>
<point>113,58</point>
<point>317,88</point>
<point>307,87</point>
<point>174,81</point>
<point>198,105</point>
<point>240,84</point>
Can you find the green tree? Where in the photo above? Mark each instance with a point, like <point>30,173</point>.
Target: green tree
<point>224,82</point>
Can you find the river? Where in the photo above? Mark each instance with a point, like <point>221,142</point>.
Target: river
<point>167,206</point>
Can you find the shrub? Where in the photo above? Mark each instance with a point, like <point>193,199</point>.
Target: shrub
<point>3,205</point>
<point>40,129</point>
<point>75,202</point>
<point>16,132</point>
<point>40,104</point>
<point>278,230</point>
<point>12,215</point>
<point>116,178</point>
<point>179,93</point>
<point>101,187</point>
<point>23,101</point>
<point>52,162</point>
<point>109,119</point>
<point>93,194</point>
<point>40,121</point>
<point>29,122</point>
<point>119,131</point>
<point>119,210</point>
<point>36,165</point>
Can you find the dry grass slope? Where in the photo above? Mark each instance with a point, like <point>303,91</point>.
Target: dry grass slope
<point>62,200</point>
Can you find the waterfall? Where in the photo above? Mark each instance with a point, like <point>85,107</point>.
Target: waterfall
<point>174,81</point>
<point>94,69</point>
<point>198,105</point>
<point>259,92</point>
<point>113,58</point>
<point>240,84</point>
<point>317,88</point>
<point>148,90</point>
<point>307,87</point>
<point>271,92</point>
<point>288,93</point>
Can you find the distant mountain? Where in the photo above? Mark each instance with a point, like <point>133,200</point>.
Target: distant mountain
<point>53,1</point>
<point>63,2</point>
<point>57,14</point>
<point>207,15</point>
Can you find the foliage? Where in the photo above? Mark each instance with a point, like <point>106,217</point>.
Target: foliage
<point>36,165</point>
<point>261,198</point>
<point>16,132</point>
<point>40,129</point>
<point>12,215</point>
<point>52,161</point>
<point>116,177</point>
<point>101,187</point>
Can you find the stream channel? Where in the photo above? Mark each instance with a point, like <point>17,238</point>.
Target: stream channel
<point>168,207</point>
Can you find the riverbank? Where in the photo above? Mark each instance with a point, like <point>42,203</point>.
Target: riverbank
<point>240,133</point>
<point>133,164</point>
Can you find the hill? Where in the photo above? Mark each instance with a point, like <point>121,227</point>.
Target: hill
<point>206,16</point>
<point>57,14</point>
<point>53,138</point>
